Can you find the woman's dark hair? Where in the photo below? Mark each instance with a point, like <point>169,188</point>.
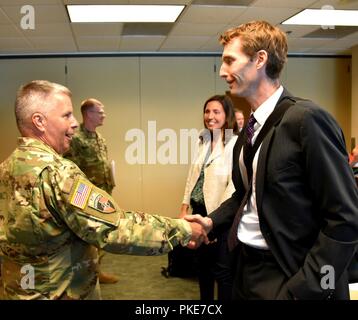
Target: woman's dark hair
<point>230,120</point>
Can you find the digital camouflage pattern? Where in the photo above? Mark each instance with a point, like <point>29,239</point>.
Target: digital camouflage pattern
<point>89,152</point>
<point>43,226</point>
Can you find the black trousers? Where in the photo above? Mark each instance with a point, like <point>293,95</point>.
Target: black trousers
<point>215,263</point>
<point>258,276</point>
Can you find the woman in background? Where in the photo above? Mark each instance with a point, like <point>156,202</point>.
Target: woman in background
<point>208,185</point>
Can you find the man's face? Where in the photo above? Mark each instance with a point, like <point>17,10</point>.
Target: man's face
<point>97,115</point>
<point>60,123</point>
<point>238,70</point>
<point>240,119</point>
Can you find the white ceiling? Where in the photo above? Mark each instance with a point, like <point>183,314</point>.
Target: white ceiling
<point>196,30</point>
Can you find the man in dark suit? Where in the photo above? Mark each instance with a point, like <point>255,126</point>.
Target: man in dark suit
<point>294,216</point>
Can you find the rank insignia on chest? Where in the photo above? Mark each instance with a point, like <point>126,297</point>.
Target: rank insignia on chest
<point>100,203</point>
<point>81,193</point>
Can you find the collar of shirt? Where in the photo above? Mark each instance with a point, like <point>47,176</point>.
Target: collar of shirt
<point>265,109</point>
<point>35,143</point>
<point>88,133</point>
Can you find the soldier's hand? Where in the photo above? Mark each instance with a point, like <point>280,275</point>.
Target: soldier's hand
<point>205,222</point>
<point>198,236</point>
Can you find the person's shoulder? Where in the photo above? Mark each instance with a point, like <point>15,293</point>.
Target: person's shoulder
<point>307,113</point>
<point>308,108</point>
<point>67,165</point>
<point>230,143</point>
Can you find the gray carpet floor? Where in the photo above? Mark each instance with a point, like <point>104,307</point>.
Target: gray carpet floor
<point>141,278</point>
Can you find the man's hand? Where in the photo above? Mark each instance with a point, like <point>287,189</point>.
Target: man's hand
<point>206,222</point>
<point>200,228</point>
<point>198,236</point>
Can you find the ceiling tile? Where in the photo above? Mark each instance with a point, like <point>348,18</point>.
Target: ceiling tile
<point>187,29</point>
<point>181,43</point>
<point>332,51</point>
<point>212,45</point>
<point>212,14</point>
<point>98,43</point>
<point>9,31</point>
<point>336,33</point>
<point>306,43</point>
<point>295,31</point>
<point>49,30</point>
<point>27,2</point>
<point>283,3</point>
<point>341,44</point>
<point>146,29</point>
<point>197,29</point>
<point>353,36</point>
<point>3,18</point>
<point>53,44</point>
<point>271,15</point>
<point>138,43</point>
<point>97,29</point>
<point>9,44</point>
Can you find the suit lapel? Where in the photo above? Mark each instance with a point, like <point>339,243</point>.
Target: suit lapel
<point>261,168</point>
<point>262,160</point>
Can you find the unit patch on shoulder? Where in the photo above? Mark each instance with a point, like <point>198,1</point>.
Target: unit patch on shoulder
<point>81,193</point>
<point>100,203</point>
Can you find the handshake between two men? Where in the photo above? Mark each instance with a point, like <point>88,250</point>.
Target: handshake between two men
<point>200,226</point>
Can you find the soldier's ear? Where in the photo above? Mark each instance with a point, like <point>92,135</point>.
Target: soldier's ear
<point>39,121</point>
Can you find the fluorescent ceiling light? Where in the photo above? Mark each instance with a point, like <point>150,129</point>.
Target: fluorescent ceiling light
<point>320,17</point>
<point>124,13</point>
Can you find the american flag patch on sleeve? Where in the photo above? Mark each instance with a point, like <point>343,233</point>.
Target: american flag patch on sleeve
<point>81,193</point>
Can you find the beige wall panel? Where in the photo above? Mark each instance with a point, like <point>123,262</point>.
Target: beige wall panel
<point>174,90</point>
<point>114,81</point>
<point>220,84</point>
<point>325,81</point>
<point>354,116</point>
<point>14,73</point>
<point>168,90</point>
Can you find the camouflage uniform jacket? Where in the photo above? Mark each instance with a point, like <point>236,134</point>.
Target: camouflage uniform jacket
<point>51,217</point>
<point>89,152</point>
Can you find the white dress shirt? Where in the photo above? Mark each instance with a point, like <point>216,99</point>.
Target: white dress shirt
<point>249,228</point>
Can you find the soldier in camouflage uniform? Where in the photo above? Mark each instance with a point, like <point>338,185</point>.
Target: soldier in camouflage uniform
<point>89,151</point>
<point>88,148</point>
<point>52,216</point>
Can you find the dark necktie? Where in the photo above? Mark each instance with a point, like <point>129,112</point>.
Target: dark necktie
<point>248,157</point>
<point>248,146</point>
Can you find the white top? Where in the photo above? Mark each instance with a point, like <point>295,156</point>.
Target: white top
<point>218,185</point>
<point>249,228</point>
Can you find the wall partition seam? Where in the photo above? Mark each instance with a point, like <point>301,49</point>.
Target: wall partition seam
<point>142,128</point>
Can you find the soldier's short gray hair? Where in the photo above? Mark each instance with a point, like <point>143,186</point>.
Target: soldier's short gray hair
<point>33,97</point>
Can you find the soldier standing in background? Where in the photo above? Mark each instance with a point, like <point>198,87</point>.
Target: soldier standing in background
<point>52,218</point>
<point>89,151</point>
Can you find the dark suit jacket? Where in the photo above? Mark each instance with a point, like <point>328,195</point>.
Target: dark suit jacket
<point>306,197</point>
